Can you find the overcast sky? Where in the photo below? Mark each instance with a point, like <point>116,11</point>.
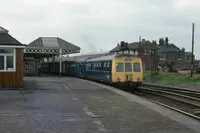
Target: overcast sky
<point>101,24</point>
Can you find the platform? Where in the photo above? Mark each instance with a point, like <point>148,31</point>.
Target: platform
<point>70,105</point>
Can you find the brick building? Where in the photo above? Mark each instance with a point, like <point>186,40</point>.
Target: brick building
<point>170,53</point>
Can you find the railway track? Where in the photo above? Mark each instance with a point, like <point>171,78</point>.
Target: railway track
<point>186,101</point>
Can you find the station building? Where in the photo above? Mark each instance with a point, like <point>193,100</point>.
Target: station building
<point>11,61</point>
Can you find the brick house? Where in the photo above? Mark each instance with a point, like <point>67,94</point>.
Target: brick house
<point>145,49</point>
<point>170,53</point>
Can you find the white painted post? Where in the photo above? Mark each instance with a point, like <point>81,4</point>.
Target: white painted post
<point>60,58</point>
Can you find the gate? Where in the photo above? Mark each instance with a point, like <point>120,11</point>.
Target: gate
<point>31,67</point>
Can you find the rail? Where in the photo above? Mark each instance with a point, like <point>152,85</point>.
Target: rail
<point>184,100</point>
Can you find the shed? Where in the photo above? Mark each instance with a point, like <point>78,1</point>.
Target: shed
<point>11,61</point>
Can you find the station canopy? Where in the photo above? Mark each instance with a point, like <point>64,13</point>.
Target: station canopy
<point>49,46</point>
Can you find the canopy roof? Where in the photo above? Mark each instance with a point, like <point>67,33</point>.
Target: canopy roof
<point>48,46</point>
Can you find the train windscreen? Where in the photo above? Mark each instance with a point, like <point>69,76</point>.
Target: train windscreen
<point>128,67</point>
<point>136,67</point>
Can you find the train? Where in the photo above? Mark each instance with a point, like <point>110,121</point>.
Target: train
<point>122,70</point>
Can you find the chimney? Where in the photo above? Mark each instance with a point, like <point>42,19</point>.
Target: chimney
<point>183,49</point>
<point>139,38</point>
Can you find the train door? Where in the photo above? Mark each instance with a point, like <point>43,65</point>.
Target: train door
<point>138,72</point>
<point>119,74</point>
<point>128,71</point>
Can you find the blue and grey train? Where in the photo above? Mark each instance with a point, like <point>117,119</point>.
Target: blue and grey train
<point>115,69</point>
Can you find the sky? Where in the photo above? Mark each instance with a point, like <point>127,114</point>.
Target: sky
<point>101,24</point>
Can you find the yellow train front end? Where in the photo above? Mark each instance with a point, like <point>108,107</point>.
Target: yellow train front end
<point>127,71</point>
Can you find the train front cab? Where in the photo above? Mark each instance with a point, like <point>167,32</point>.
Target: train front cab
<point>127,71</point>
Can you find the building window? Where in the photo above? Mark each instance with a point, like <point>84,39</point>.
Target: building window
<point>131,52</point>
<point>146,52</point>
<point>178,57</point>
<point>126,52</point>
<point>188,57</point>
<point>162,55</point>
<point>135,52</point>
<point>7,60</point>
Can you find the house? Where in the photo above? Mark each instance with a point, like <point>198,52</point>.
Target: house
<point>170,53</point>
<point>145,49</point>
<point>11,61</point>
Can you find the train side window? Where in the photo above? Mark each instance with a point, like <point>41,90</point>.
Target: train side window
<point>136,67</point>
<point>90,66</point>
<point>105,67</point>
<point>100,68</point>
<point>95,66</point>
<point>108,64</point>
<point>119,67</point>
<point>87,67</point>
<point>104,64</point>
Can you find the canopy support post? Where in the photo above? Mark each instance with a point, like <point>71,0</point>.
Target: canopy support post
<point>60,59</point>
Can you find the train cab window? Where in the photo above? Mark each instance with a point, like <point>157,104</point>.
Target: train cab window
<point>136,67</point>
<point>119,67</point>
<point>128,67</point>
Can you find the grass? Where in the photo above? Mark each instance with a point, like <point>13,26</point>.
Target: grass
<point>171,78</point>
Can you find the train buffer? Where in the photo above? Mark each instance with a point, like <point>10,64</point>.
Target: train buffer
<point>66,105</point>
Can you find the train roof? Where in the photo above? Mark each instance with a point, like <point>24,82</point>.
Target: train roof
<point>108,57</point>
<point>84,57</point>
<point>89,54</point>
<point>76,59</point>
<point>102,58</point>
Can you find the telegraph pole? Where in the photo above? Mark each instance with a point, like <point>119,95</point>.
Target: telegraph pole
<point>192,60</point>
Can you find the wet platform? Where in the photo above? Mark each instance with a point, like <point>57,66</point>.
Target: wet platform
<point>70,105</point>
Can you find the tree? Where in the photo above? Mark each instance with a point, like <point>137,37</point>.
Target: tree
<point>166,40</point>
<point>161,41</point>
